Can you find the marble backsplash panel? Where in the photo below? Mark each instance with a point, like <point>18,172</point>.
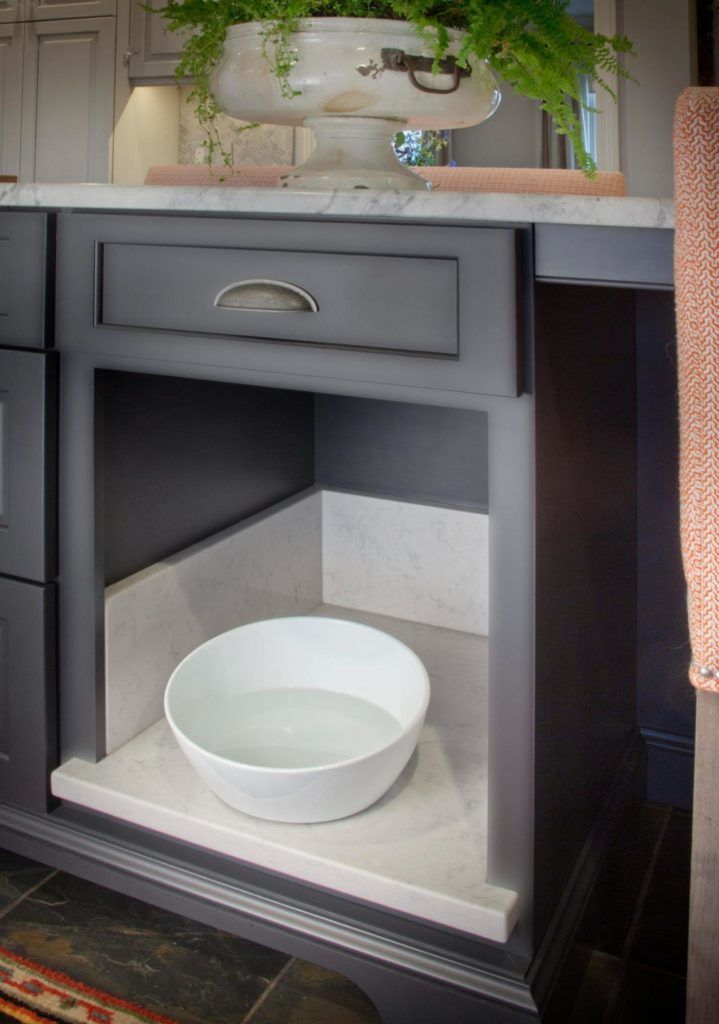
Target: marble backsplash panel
<point>265,144</point>
<point>417,562</point>
<point>420,563</point>
<point>264,567</point>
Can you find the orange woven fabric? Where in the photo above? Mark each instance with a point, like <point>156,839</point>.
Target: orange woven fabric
<point>526,180</point>
<point>696,168</point>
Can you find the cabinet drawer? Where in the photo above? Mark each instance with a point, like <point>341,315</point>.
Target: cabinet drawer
<point>27,692</point>
<point>23,259</point>
<point>27,440</point>
<point>394,305</point>
<point>407,303</point>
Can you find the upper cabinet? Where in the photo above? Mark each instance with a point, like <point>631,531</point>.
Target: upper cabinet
<point>52,10</point>
<point>44,10</point>
<point>67,100</point>
<point>12,10</point>
<point>154,52</point>
<point>11,54</point>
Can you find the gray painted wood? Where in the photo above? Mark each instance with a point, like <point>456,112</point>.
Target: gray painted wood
<point>458,984</point>
<point>67,106</point>
<point>27,692</point>
<point>211,455</point>
<point>24,251</point>
<point>487,314</point>
<point>54,10</point>
<point>511,594</point>
<point>154,52</point>
<point>406,303</point>
<point>27,500</point>
<point>606,255</point>
<point>12,11</point>
<point>11,53</point>
<point>397,450</point>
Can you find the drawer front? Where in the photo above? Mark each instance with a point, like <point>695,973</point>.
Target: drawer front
<point>386,302</point>
<point>628,257</point>
<point>27,386</point>
<point>23,261</point>
<point>396,305</point>
<point>28,737</point>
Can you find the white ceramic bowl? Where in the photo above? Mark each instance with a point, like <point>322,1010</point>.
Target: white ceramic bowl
<point>299,719</point>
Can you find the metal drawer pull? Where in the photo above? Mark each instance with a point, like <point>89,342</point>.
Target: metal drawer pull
<point>265,296</point>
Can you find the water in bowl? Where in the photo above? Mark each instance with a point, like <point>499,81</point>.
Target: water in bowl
<point>298,727</point>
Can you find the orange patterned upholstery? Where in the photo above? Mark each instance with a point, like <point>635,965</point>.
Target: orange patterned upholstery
<point>696,167</point>
<point>447,179</point>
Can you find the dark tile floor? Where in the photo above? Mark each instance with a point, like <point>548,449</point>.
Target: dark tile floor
<point>638,921</point>
<point>197,975</point>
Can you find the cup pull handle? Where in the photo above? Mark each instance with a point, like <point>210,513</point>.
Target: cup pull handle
<point>266,296</point>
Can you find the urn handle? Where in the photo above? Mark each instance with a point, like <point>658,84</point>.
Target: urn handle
<point>398,60</point>
<point>262,295</point>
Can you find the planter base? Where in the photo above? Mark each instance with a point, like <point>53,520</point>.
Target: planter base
<point>353,153</point>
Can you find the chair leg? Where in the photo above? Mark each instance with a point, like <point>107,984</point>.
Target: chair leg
<point>703,967</point>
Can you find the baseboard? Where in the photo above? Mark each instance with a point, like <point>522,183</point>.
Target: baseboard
<point>670,768</point>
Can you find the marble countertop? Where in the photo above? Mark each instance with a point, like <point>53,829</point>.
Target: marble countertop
<point>420,850</point>
<point>441,206</point>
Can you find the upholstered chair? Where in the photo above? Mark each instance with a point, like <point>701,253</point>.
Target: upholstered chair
<point>696,166</point>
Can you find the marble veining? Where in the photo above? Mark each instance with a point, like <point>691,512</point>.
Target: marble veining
<point>265,567</point>
<point>420,850</point>
<point>611,211</point>
<point>417,562</point>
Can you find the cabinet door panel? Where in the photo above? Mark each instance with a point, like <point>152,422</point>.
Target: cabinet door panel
<point>27,427</point>
<point>48,10</point>
<point>11,45</point>
<point>12,11</point>
<point>154,52</point>
<point>23,286</point>
<point>28,734</point>
<point>68,87</point>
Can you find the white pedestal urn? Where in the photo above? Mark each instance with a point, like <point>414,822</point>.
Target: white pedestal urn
<point>359,82</point>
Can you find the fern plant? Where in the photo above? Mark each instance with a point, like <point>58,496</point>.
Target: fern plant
<point>535,46</point>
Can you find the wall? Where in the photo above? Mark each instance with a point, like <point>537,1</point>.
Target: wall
<point>662,31</point>
<point>511,138</point>
<point>662,34</point>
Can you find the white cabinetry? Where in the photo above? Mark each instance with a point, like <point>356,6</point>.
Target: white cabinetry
<point>11,10</point>
<point>52,10</point>
<point>154,52</point>
<point>67,104</point>
<point>11,47</point>
<point>56,93</point>
<point>57,83</point>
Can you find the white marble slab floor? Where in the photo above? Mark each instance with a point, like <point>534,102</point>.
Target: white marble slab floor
<point>421,850</point>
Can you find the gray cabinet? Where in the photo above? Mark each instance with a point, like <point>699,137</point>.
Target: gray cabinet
<point>11,11</point>
<point>44,10</point>
<point>27,515</point>
<point>398,310</point>
<point>67,104</point>
<point>11,56</point>
<point>52,10</point>
<point>27,428</point>
<point>27,692</point>
<point>24,246</point>
<point>154,52</point>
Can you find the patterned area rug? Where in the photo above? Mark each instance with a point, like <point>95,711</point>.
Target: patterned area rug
<point>36,995</point>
